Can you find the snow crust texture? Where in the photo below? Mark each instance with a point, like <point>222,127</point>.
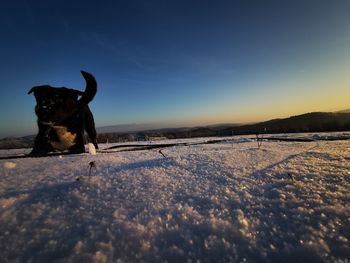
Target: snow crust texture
<point>226,202</point>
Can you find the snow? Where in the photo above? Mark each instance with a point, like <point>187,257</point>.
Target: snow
<point>9,165</point>
<point>223,202</point>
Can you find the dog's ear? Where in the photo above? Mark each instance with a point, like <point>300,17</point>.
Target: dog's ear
<point>42,88</point>
<point>32,90</point>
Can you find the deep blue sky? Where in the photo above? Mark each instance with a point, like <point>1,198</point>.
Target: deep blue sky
<point>176,62</point>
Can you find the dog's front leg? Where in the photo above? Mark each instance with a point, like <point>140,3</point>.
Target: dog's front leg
<point>79,146</point>
<point>41,144</point>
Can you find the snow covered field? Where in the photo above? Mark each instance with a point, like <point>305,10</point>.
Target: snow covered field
<point>223,202</point>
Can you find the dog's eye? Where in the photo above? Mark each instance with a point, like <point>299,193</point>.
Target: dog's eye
<point>58,99</point>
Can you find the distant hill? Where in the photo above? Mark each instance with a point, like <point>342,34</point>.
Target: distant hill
<point>344,111</point>
<point>15,143</point>
<point>309,122</point>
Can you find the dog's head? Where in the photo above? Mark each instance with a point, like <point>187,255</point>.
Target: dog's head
<point>54,105</point>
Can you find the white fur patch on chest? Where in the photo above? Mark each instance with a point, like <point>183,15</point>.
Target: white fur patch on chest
<point>66,138</point>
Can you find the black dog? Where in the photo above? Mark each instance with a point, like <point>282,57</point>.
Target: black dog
<point>63,117</point>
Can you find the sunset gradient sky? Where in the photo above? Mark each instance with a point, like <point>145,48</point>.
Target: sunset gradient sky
<point>177,63</point>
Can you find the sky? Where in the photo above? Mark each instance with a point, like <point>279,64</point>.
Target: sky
<point>176,63</point>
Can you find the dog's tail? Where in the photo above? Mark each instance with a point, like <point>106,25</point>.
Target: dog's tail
<point>91,88</point>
